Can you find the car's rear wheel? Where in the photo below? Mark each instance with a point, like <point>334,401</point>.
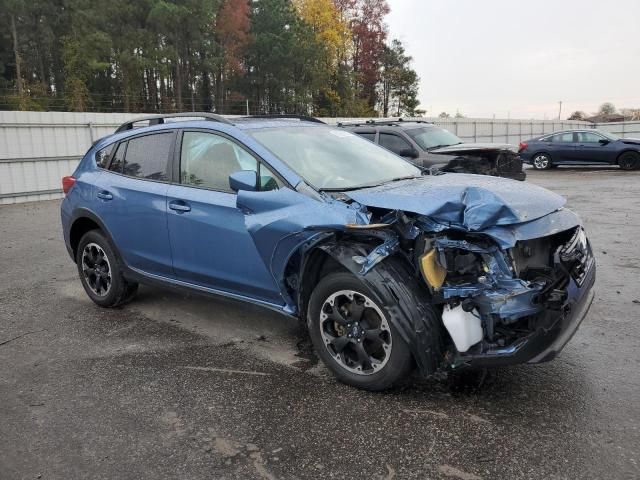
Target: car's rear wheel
<point>353,335</point>
<point>541,161</point>
<point>629,161</point>
<point>100,271</point>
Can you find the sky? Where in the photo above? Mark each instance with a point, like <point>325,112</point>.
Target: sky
<point>517,58</point>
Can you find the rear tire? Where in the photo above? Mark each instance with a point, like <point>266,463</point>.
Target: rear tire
<point>100,271</point>
<point>629,161</point>
<point>541,161</point>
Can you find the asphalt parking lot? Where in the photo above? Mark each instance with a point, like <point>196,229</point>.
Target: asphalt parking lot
<point>176,386</point>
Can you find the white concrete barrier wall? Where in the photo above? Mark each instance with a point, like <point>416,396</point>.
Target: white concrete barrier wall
<point>38,148</point>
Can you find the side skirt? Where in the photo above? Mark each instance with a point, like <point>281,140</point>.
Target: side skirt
<point>150,279</point>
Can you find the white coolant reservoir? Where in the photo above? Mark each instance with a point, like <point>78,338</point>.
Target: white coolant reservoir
<point>465,328</point>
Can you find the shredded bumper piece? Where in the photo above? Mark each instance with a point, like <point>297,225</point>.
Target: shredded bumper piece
<point>543,344</point>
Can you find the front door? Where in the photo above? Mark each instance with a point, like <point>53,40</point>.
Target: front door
<point>592,147</point>
<point>210,244</point>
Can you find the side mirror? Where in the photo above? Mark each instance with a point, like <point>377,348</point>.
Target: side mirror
<point>603,141</point>
<point>244,180</point>
<point>409,153</point>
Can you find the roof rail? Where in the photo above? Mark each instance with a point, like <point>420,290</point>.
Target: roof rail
<point>160,119</point>
<point>386,122</point>
<point>304,118</point>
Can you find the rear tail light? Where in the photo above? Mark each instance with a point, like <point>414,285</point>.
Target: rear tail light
<point>67,184</point>
<point>523,147</point>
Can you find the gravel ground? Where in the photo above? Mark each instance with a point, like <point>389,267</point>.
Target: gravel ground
<point>177,386</point>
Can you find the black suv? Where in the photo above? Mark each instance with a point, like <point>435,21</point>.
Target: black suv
<point>429,146</point>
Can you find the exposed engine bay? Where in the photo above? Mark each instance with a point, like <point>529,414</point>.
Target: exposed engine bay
<point>491,298</point>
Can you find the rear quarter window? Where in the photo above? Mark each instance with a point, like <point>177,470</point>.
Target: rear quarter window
<point>103,156</point>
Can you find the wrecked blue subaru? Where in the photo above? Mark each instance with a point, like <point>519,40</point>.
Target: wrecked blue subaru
<point>390,267</point>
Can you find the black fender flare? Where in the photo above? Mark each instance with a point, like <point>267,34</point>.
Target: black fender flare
<point>81,213</point>
<point>397,286</point>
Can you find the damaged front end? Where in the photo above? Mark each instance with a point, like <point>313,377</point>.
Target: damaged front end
<point>507,270</point>
<point>509,306</point>
<point>483,159</point>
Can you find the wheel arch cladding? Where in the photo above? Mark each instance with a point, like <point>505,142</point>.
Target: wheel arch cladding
<point>79,227</point>
<point>394,283</point>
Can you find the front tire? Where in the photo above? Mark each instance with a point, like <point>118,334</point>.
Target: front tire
<point>541,161</point>
<point>352,333</point>
<point>629,161</point>
<point>100,271</point>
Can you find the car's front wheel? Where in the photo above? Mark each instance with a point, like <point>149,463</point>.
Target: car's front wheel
<point>629,161</point>
<point>100,271</point>
<point>353,335</point>
<point>541,161</point>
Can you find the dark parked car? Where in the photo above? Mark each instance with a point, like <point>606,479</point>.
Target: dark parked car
<point>388,266</point>
<point>581,147</point>
<point>428,146</point>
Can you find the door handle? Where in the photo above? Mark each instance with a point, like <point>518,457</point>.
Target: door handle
<point>104,195</point>
<point>179,206</point>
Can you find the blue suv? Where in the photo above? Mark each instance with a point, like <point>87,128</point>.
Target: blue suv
<point>389,266</point>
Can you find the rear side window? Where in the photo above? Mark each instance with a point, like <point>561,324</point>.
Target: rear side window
<point>394,143</point>
<point>102,156</point>
<point>148,156</point>
<point>561,138</point>
<point>118,158</point>
<point>371,136</point>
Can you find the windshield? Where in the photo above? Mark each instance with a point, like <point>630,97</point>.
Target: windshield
<point>432,137</point>
<point>610,136</point>
<point>332,158</point>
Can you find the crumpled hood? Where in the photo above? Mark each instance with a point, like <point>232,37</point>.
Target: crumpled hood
<point>474,202</point>
<point>474,148</point>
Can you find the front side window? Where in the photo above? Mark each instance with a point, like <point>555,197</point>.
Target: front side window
<point>268,180</point>
<point>148,156</point>
<point>207,160</point>
<point>588,137</point>
<point>433,137</point>
<point>332,158</point>
<point>394,143</point>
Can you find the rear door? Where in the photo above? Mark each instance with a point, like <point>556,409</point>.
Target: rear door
<point>210,244</point>
<point>589,148</point>
<point>561,147</point>
<point>131,201</point>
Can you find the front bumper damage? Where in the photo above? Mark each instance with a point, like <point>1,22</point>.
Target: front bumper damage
<point>560,313</point>
<point>529,308</point>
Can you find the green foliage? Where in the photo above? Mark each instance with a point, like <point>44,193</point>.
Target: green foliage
<point>322,57</point>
